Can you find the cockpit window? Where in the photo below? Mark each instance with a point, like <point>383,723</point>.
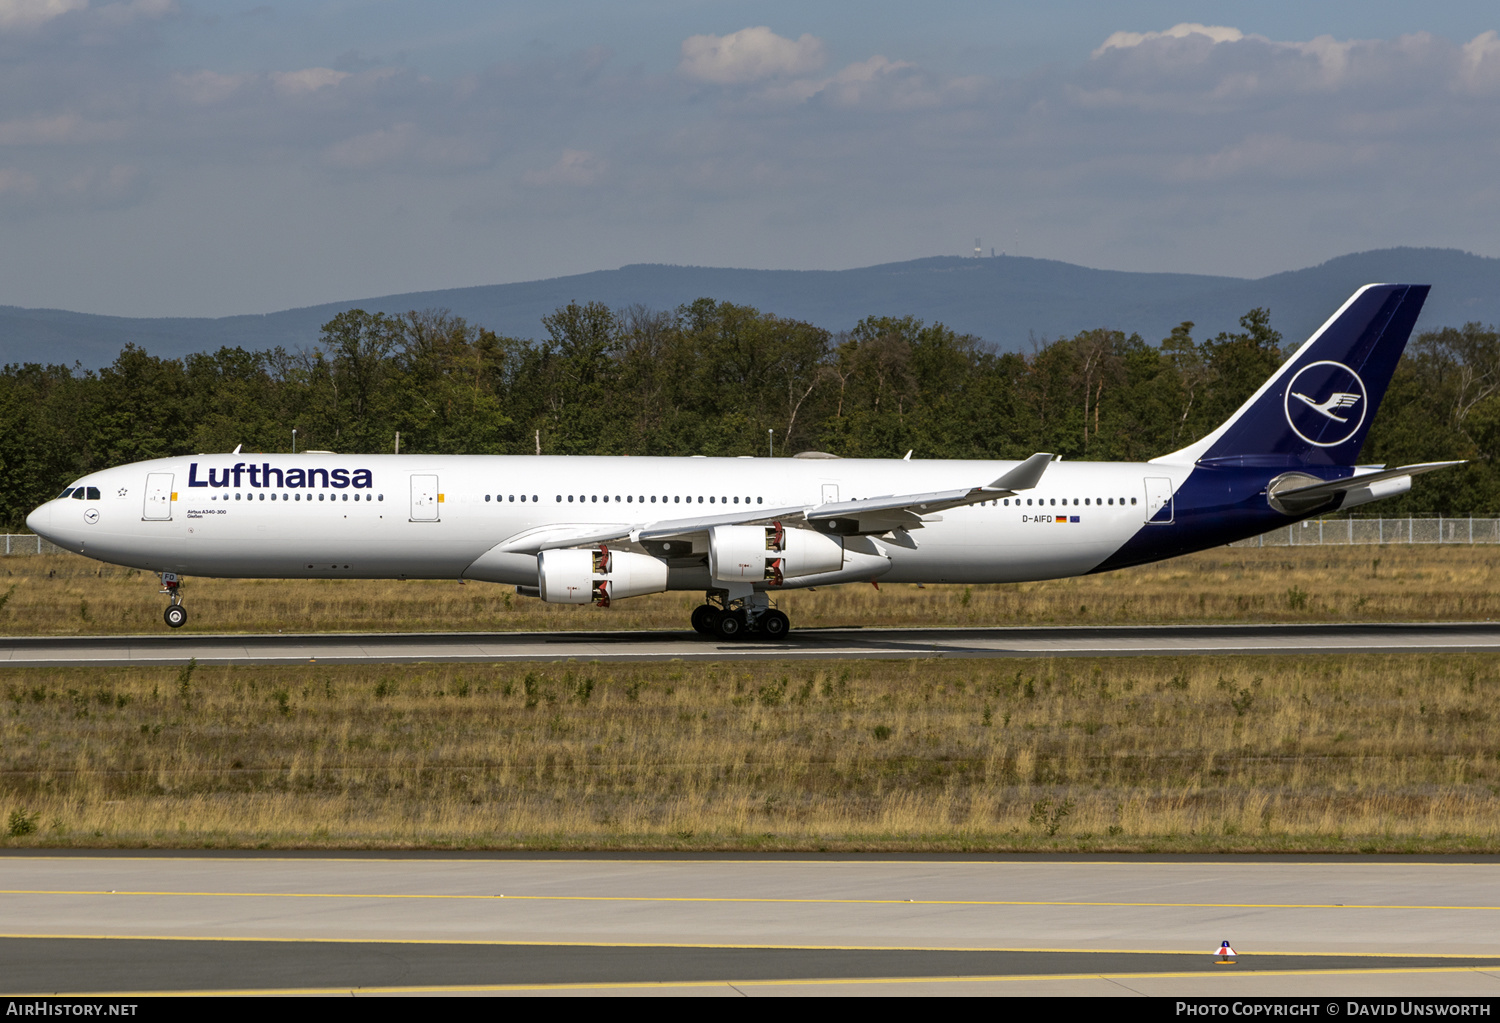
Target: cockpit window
<point>65,493</point>
<point>94,494</point>
<point>78,494</point>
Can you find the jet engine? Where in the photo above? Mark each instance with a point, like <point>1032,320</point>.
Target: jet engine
<point>770,554</point>
<point>598,575</point>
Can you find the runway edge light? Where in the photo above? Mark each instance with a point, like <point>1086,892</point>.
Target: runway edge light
<point>1225,954</point>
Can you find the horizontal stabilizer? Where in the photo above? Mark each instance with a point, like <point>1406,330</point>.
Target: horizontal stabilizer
<point>1351,482</point>
<point>1297,493</point>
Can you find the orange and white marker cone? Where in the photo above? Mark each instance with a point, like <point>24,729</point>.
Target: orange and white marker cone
<point>1225,954</point>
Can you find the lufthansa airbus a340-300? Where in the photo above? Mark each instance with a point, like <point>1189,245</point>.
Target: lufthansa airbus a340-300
<point>593,530</point>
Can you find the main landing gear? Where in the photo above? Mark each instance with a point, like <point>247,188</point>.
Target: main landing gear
<point>175,614</point>
<point>750,617</point>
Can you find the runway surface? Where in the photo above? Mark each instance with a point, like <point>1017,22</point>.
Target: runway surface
<point>806,644</point>
<point>130,924</point>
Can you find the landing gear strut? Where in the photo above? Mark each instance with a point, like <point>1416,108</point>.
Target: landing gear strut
<point>740,617</point>
<point>175,614</point>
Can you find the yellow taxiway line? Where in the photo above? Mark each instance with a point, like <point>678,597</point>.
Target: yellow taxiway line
<point>546,943</point>
<point>814,982</point>
<point>417,896</point>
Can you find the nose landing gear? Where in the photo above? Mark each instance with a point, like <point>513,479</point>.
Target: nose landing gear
<point>175,615</point>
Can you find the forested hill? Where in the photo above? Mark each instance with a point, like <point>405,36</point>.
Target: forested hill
<point>1005,301</point>
<point>711,378</point>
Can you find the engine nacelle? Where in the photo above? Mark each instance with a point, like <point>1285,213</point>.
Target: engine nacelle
<point>597,576</point>
<point>770,554</point>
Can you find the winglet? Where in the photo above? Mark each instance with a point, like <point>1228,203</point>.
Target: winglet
<point>1024,476</point>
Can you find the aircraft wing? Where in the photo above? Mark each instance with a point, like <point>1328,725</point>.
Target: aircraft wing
<point>907,510</point>
<point>565,534</point>
<point>547,538</point>
<point>875,515</point>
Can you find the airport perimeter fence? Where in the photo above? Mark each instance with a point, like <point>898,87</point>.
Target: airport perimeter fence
<point>30,543</point>
<point>1343,532</point>
<point>1310,533</point>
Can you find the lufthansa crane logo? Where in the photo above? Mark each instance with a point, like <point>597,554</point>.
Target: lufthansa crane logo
<point>1325,403</point>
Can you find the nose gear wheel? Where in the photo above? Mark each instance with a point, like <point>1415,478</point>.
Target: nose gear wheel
<point>175,615</point>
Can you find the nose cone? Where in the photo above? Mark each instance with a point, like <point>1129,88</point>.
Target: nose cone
<point>40,521</point>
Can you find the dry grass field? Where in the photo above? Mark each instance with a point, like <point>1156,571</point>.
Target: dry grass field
<point>69,595</point>
<point>1360,752</point>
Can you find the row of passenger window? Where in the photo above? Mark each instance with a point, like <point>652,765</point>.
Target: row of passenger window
<point>643,499</point>
<point>297,497</point>
<point>1052,501</point>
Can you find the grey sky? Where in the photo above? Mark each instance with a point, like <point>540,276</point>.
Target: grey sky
<point>178,158</point>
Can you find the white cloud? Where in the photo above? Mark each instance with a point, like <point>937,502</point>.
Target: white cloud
<point>876,83</point>
<point>1153,70</point>
<point>749,55</point>
<point>1167,147</point>
<point>893,85</point>
<point>308,80</point>
<point>207,87</point>
<point>101,188</point>
<point>29,13</point>
<point>403,144</point>
<point>59,129</point>
<point>92,188</point>
<point>126,11</point>
<point>16,183</point>
<point>1480,67</point>
<point>577,168</point>
<point>1266,157</point>
<point>1214,33</point>
<point>373,149</point>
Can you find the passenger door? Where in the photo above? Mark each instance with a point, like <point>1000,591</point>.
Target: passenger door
<point>424,498</point>
<point>1159,496</point>
<point>158,496</point>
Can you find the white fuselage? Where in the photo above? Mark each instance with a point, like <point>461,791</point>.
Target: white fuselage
<point>430,517</point>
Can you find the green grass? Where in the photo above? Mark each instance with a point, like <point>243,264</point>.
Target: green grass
<point>70,595</point>
<point>1310,754</point>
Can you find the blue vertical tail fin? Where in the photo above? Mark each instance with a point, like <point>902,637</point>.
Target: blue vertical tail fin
<point>1317,408</point>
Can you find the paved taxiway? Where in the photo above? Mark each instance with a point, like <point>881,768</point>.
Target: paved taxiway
<point>806,644</point>
<point>123,923</point>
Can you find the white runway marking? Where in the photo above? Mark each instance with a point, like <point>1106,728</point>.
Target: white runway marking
<point>820,644</point>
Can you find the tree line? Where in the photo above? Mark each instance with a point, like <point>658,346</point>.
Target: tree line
<point>712,378</point>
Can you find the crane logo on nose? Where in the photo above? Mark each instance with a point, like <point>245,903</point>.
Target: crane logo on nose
<point>91,516</point>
